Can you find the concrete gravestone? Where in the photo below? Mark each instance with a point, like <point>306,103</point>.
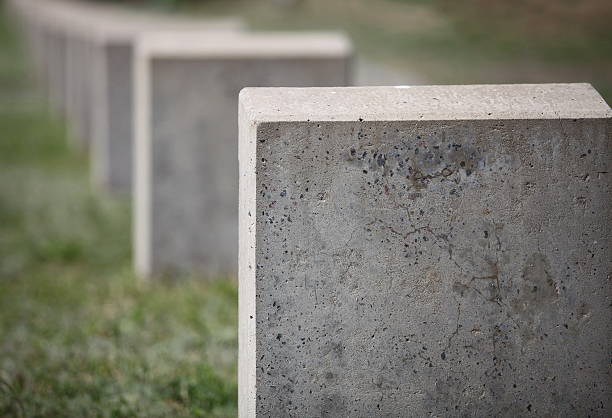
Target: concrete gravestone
<point>85,51</point>
<point>186,176</point>
<point>419,251</point>
<point>113,89</point>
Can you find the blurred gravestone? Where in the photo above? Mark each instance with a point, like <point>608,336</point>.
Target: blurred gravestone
<point>85,51</point>
<point>112,94</point>
<point>186,185</point>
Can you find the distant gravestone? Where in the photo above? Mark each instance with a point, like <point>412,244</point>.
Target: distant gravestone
<point>425,251</point>
<point>45,45</point>
<point>113,103</point>
<point>86,53</point>
<point>186,174</point>
<point>55,61</point>
<point>79,81</point>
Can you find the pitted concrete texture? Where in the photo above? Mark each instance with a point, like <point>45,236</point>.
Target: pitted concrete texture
<point>186,186</point>
<point>426,251</point>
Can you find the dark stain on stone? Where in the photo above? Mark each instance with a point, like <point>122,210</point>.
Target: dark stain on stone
<point>538,292</point>
<point>419,162</point>
<point>333,405</point>
<point>460,288</point>
<point>487,286</point>
<point>538,285</point>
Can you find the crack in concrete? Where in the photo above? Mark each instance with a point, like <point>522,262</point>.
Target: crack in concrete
<point>456,331</point>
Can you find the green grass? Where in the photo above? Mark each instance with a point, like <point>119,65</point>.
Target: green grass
<point>80,335</point>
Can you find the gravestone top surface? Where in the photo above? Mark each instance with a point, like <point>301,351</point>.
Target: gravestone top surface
<point>465,102</point>
<point>127,30</point>
<point>109,24</point>
<point>241,45</point>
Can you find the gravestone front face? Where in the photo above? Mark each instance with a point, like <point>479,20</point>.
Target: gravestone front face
<point>186,191</point>
<point>79,82</point>
<point>112,99</point>
<point>419,251</point>
<point>112,104</point>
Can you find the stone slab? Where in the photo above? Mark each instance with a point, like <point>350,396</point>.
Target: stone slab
<point>113,121</point>
<point>425,251</point>
<point>40,45</point>
<point>97,93</point>
<point>79,88</point>
<point>186,174</point>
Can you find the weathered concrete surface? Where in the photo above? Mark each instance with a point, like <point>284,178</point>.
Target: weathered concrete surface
<point>186,187</point>
<point>426,251</point>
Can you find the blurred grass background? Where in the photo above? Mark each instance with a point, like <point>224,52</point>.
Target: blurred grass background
<point>79,335</point>
<point>448,41</point>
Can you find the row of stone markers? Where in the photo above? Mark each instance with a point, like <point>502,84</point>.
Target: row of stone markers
<point>186,176</point>
<point>403,251</point>
<point>167,88</point>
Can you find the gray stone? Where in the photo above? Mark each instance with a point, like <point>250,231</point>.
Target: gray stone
<point>94,82</point>
<point>79,88</point>
<point>111,148</point>
<point>40,42</point>
<point>55,60</point>
<point>186,174</point>
<point>112,101</point>
<point>113,143</point>
<point>425,251</point>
